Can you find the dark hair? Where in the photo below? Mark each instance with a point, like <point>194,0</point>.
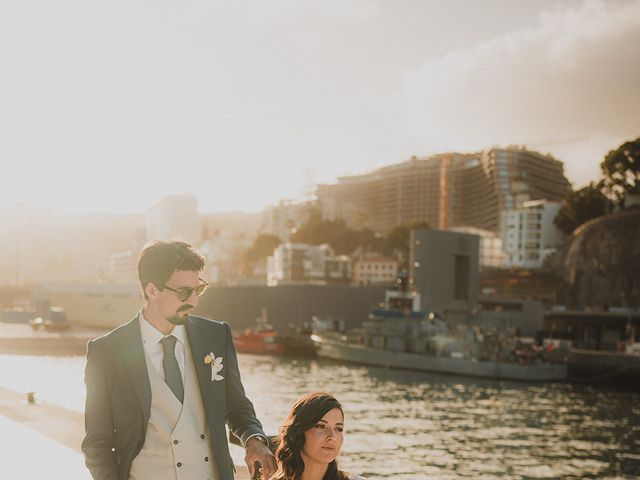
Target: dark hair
<point>159,259</point>
<point>304,415</point>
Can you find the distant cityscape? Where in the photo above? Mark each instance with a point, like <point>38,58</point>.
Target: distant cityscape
<point>509,197</point>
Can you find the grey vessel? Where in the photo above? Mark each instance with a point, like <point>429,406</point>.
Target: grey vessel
<point>401,336</point>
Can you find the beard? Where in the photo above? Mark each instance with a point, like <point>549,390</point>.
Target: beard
<point>181,316</point>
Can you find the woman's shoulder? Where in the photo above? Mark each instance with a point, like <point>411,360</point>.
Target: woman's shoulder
<point>353,476</point>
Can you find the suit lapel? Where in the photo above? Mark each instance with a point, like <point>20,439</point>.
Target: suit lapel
<point>202,342</point>
<point>136,366</point>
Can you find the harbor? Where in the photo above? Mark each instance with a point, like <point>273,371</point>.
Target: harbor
<point>431,387</point>
<point>434,320</point>
<point>399,236</point>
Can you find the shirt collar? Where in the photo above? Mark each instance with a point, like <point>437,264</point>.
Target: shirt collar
<point>151,335</point>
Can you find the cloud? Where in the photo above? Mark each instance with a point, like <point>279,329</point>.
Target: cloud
<point>576,75</point>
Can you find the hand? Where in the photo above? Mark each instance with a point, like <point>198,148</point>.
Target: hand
<point>259,452</point>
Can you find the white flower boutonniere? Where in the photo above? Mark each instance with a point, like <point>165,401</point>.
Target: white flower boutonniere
<point>216,366</point>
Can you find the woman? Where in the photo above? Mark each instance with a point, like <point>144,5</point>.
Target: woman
<point>310,440</point>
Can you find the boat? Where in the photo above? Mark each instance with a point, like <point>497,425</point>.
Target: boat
<point>401,336</point>
<point>260,340</point>
<point>297,341</point>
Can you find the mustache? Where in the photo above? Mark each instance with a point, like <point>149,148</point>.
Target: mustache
<point>184,308</point>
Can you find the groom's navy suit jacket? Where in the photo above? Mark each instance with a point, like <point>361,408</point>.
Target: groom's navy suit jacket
<point>119,397</point>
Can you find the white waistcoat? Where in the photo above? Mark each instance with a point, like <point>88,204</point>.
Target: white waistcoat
<point>177,444</point>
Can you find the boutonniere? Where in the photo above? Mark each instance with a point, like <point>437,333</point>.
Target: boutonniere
<point>216,366</point>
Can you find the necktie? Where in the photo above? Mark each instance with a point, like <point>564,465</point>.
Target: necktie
<point>170,365</point>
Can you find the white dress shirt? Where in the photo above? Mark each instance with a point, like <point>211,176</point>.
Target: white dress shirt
<point>151,338</point>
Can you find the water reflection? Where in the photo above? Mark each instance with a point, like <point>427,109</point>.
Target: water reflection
<point>413,425</point>
<point>407,425</point>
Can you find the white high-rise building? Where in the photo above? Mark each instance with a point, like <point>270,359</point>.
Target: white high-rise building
<point>529,234</point>
<point>375,270</point>
<point>302,263</point>
<point>175,217</point>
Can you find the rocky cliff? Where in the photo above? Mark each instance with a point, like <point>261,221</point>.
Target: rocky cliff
<point>602,265</point>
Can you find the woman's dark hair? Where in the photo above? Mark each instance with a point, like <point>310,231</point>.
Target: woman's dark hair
<point>159,259</point>
<point>304,415</point>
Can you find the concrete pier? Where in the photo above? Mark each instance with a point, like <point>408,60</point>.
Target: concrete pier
<point>20,339</point>
<point>42,440</point>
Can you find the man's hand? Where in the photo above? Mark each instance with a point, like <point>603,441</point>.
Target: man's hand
<point>257,451</point>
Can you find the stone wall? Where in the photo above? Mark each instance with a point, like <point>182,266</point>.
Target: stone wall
<point>602,265</point>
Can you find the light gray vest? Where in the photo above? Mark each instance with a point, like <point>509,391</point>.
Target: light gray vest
<point>177,444</point>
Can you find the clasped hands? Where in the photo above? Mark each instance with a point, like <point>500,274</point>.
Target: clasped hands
<point>257,451</point>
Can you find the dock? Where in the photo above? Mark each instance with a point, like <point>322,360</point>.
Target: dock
<point>20,339</point>
<point>42,440</point>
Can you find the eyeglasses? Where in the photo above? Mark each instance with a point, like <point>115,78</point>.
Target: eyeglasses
<point>184,294</point>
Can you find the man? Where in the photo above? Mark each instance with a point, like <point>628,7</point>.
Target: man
<point>161,387</point>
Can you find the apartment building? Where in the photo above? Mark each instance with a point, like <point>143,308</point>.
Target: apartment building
<point>390,196</point>
<point>302,263</point>
<point>445,190</point>
<point>375,271</point>
<point>529,234</point>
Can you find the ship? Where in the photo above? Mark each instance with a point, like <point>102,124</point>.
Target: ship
<point>399,335</point>
<point>262,339</point>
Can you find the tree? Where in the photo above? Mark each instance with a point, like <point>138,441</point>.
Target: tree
<point>317,231</point>
<point>621,171</point>
<point>398,238</point>
<point>262,247</point>
<point>580,206</point>
<point>343,240</point>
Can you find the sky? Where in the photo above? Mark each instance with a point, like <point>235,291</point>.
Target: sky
<point>109,106</point>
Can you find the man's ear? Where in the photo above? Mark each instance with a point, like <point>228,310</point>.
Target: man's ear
<point>151,290</point>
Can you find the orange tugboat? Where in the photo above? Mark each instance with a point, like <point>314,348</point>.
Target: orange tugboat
<point>260,340</point>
